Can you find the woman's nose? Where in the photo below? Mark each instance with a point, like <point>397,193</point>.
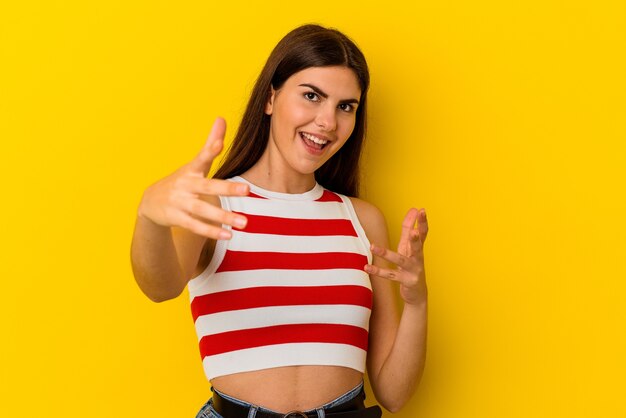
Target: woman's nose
<point>326,118</point>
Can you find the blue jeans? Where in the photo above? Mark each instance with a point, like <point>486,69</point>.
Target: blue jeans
<point>207,410</point>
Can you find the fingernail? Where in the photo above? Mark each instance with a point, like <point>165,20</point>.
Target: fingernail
<point>367,268</point>
<point>224,235</point>
<point>240,222</point>
<point>242,188</point>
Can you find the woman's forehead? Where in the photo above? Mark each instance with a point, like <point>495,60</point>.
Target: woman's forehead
<point>335,80</point>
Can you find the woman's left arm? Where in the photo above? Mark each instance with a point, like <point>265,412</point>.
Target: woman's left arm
<point>397,349</point>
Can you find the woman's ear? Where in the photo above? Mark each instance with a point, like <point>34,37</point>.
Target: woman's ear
<point>269,106</point>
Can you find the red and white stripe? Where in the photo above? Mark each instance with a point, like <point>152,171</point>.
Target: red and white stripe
<point>289,289</point>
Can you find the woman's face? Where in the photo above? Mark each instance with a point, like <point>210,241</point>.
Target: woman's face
<point>312,116</point>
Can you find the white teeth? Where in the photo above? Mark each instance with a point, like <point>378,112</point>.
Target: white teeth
<point>314,139</point>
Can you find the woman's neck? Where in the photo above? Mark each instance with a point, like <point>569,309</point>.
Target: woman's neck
<point>272,179</point>
<point>278,176</point>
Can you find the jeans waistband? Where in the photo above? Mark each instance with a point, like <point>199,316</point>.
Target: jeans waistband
<point>351,401</point>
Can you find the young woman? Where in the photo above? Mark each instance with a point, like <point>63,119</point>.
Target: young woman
<point>289,273</point>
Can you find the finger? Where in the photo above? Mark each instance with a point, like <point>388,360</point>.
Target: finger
<point>213,146</point>
<point>416,246</point>
<point>408,225</point>
<point>201,209</point>
<point>203,229</point>
<point>216,187</point>
<point>399,260</point>
<point>422,225</point>
<point>384,273</point>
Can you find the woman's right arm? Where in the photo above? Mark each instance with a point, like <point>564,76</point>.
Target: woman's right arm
<point>175,218</point>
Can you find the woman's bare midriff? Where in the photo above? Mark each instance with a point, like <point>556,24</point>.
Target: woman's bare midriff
<point>286,389</point>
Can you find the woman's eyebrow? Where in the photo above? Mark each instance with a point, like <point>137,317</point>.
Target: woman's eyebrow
<point>325,95</point>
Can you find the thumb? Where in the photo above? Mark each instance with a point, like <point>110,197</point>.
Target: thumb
<point>408,226</point>
<point>211,149</point>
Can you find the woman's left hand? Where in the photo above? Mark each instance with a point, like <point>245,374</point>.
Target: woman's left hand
<point>409,260</point>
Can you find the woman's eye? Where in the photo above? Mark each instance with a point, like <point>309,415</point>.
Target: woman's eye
<point>346,107</point>
<point>311,96</point>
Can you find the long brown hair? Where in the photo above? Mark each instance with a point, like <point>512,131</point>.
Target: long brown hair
<point>304,47</point>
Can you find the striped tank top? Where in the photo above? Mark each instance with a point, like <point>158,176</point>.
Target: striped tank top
<point>288,289</point>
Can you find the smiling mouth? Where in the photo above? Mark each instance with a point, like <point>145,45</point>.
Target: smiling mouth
<point>313,141</point>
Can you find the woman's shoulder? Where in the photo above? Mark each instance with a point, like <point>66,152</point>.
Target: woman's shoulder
<point>370,217</point>
<point>365,209</point>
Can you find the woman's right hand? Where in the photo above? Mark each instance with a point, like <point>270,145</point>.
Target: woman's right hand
<point>187,199</point>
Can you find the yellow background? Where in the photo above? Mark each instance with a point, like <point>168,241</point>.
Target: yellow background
<point>506,120</point>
